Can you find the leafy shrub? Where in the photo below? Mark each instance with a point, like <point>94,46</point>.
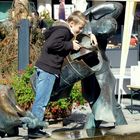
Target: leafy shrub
<point>76,95</point>
<point>22,87</point>
<point>58,109</point>
<point>46,16</point>
<point>25,95</point>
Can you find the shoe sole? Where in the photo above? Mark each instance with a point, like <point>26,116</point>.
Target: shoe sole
<point>35,136</point>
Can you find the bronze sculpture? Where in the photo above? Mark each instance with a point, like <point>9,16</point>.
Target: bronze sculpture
<point>93,68</point>
<point>90,63</point>
<point>12,116</point>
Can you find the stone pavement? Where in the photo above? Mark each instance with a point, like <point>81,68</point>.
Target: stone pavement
<point>132,127</point>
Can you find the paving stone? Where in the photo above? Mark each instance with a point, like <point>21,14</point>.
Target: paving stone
<point>132,119</point>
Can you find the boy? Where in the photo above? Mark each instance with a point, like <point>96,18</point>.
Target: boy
<point>48,67</point>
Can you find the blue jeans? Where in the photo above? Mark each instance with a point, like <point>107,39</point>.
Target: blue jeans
<point>44,86</point>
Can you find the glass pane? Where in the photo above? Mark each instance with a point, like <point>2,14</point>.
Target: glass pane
<point>4,7</point>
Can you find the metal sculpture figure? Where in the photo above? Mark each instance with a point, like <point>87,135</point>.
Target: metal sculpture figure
<point>104,105</point>
<point>12,116</point>
<point>90,62</point>
<point>93,68</point>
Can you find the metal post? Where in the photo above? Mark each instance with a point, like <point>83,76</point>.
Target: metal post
<point>23,44</point>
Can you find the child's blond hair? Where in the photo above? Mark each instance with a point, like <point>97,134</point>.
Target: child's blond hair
<point>77,17</point>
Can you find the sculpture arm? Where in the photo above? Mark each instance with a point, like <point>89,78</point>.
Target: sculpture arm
<point>88,30</point>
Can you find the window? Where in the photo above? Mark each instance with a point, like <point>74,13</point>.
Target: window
<point>4,7</point>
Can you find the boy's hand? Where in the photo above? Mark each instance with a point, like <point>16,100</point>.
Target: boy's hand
<point>76,46</point>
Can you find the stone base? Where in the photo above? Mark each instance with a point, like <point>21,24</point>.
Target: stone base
<point>125,132</point>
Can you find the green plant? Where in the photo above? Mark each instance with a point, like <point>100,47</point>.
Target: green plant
<point>46,16</point>
<point>64,103</point>
<point>58,109</point>
<point>22,87</point>
<point>25,95</point>
<point>76,95</point>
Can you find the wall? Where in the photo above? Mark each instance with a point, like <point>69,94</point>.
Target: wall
<point>114,56</point>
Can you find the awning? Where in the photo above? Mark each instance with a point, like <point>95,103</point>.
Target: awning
<point>128,24</point>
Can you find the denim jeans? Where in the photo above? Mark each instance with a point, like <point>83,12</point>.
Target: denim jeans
<point>44,86</point>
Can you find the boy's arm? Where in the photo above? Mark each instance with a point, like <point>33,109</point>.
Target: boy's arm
<point>56,42</point>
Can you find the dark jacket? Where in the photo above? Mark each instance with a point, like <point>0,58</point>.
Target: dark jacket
<point>57,46</point>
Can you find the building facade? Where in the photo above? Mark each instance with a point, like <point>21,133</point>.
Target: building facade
<point>70,5</point>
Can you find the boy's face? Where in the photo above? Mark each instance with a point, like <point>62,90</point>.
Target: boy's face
<point>76,27</point>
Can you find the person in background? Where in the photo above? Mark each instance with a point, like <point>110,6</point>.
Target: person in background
<point>133,41</point>
<point>39,22</point>
<point>43,24</point>
<point>60,41</point>
<point>35,19</point>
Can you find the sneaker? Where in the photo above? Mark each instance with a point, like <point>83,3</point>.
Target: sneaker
<point>37,133</point>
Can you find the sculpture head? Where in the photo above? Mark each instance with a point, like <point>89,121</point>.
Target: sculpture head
<point>103,18</point>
